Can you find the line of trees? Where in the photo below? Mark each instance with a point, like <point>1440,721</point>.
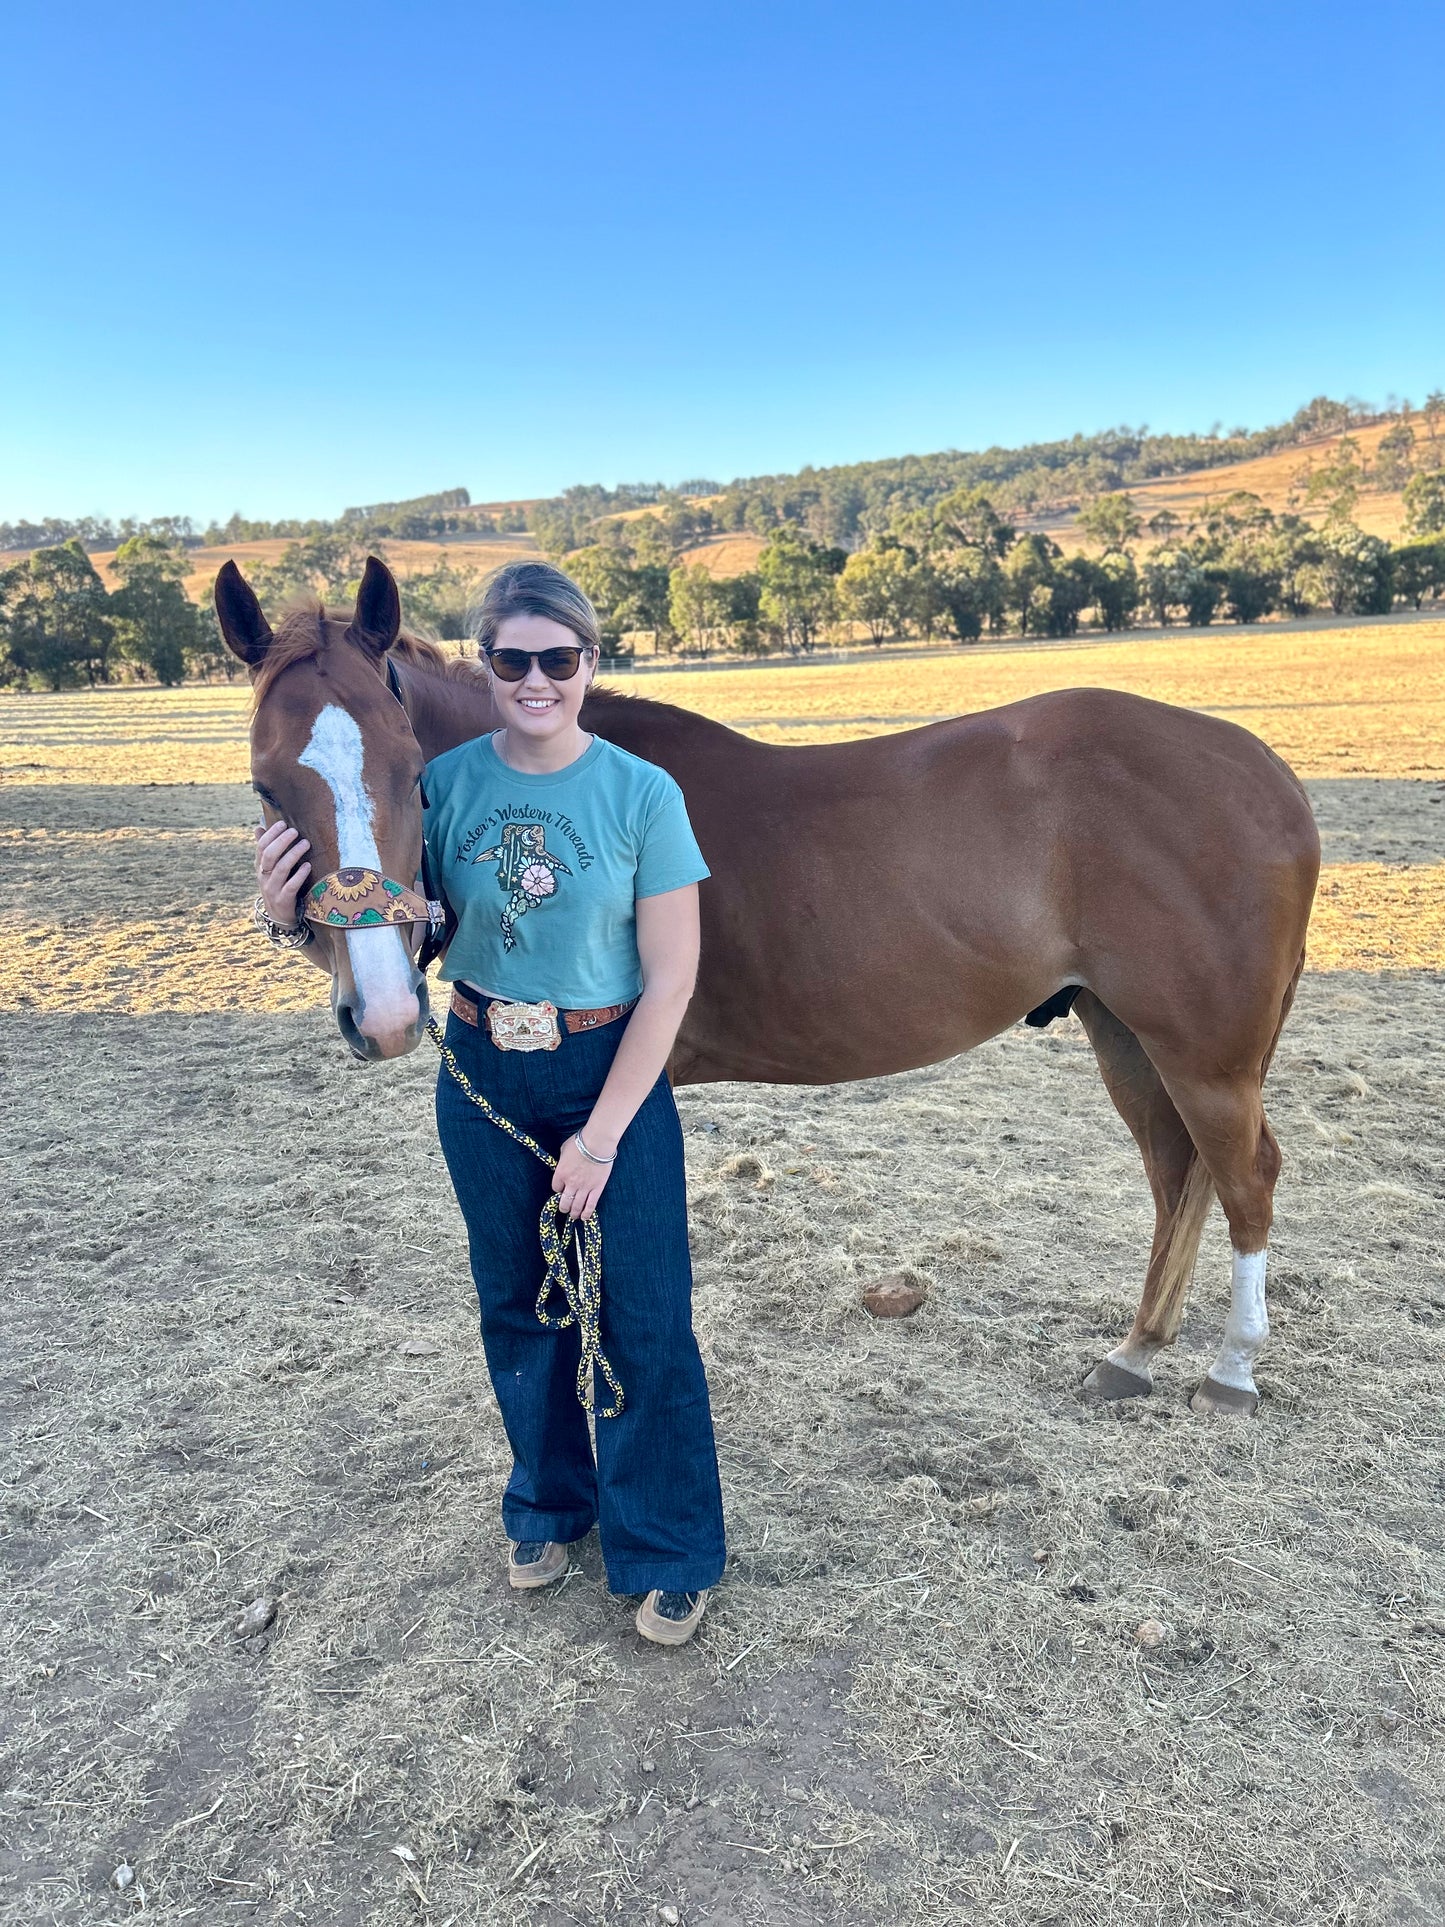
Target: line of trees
<point>422,518</point>
<point>95,533</point>
<point>850,505</point>
<point>59,625</point>
<point>926,547</point>
<point>844,507</point>
<point>958,570</point>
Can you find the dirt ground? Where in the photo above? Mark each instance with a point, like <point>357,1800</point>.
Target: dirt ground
<point>242,1359</point>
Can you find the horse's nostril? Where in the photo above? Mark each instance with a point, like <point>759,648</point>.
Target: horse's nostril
<point>360,1045</point>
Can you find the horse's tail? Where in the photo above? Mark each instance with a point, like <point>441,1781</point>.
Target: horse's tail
<point>1186,1228</point>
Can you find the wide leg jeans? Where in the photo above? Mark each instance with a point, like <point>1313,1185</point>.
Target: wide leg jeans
<point>652,1487</point>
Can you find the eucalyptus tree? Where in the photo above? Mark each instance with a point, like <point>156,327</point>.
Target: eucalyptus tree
<point>799,587</point>
<point>1425,503</point>
<point>157,620</point>
<point>57,620</point>
<point>873,590</point>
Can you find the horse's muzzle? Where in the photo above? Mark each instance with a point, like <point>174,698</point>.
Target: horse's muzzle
<point>377,1036</point>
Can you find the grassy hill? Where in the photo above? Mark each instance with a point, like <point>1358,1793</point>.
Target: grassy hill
<point>1277,479</point>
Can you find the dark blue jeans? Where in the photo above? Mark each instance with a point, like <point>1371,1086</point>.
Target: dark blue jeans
<point>653,1486</point>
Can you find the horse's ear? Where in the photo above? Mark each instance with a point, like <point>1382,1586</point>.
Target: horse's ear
<point>246,630</point>
<point>377,622</point>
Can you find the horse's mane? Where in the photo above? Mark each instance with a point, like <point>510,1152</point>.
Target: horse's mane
<point>302,634</point>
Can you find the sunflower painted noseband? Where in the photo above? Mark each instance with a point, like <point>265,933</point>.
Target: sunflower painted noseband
<point>364,900</point>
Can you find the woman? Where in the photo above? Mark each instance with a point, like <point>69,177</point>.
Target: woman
<point>572,871</point>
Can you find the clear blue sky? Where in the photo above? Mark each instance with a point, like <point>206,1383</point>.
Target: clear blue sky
<point>284,258</point>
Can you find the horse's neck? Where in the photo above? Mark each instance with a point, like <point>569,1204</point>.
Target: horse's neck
<point>444,710</point>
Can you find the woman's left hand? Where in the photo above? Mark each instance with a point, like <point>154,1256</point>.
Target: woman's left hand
<point>578,1182</point>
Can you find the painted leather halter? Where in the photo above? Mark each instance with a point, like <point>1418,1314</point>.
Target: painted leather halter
<point>356,899</point>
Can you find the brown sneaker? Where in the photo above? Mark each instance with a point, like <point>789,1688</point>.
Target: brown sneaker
<point>671,1618</point>
<point>532,1563</point>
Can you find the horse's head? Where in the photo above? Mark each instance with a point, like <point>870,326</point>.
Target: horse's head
<point>333,754</point>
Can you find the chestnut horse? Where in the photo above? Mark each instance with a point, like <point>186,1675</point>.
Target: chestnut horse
<point>879,905</point>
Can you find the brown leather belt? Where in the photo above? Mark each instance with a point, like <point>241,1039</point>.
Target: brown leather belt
<point>473,1013</point>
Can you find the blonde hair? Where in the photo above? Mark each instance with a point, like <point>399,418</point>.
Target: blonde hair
<point>533,589</point>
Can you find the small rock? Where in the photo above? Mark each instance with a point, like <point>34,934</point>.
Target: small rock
<point>256,1618</point>
<point>403,1853</point>
<point>795,1839</point>
<point>418,1348</point>
<point>669,1914</point>
<point>897,1296</point>
<point>649,1766</point>
<point>1042,1555</point>
<point>1151,1634</point>
<point>123,1877</point>
<point>693,1800</point>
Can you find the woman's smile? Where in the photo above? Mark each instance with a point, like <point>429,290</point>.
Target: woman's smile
<point>538,713</point>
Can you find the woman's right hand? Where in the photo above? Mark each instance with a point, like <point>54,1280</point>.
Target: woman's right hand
<point>280,870</point>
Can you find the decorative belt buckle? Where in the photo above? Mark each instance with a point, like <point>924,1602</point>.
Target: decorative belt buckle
<point>523,1026</point>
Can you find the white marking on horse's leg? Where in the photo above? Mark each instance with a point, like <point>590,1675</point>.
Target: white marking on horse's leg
<point>380,965</point>
<point>1135,1355</point>
<point>1247,1326</point>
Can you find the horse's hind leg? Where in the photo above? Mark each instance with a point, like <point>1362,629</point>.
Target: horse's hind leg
<point>1226,1120</point>
<point>1182,1196</point>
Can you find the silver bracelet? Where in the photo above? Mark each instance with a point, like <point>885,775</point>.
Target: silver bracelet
<point>293,937</point>
<point>591,1156</point>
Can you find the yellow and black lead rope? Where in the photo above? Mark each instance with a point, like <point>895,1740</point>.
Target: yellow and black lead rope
<point>583,1294</point>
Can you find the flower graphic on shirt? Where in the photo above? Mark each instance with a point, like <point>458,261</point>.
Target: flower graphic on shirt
<point>526,871</point>
<point>537,881</point>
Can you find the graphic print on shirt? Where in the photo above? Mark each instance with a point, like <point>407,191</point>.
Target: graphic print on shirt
<point>526,870</point>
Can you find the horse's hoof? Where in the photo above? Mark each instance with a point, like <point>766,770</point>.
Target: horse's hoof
<point>1108,1380</point>
<point>1226,1400</point>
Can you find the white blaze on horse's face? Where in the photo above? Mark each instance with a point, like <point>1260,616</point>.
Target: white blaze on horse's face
<point>380,964</point>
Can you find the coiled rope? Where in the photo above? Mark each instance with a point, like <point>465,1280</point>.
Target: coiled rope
<point>582,1294</point>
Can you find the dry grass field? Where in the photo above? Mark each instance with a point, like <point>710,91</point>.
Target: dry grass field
<point>242,1361</point>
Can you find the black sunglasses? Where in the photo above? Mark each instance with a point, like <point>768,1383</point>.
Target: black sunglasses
<point>558,665</point>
